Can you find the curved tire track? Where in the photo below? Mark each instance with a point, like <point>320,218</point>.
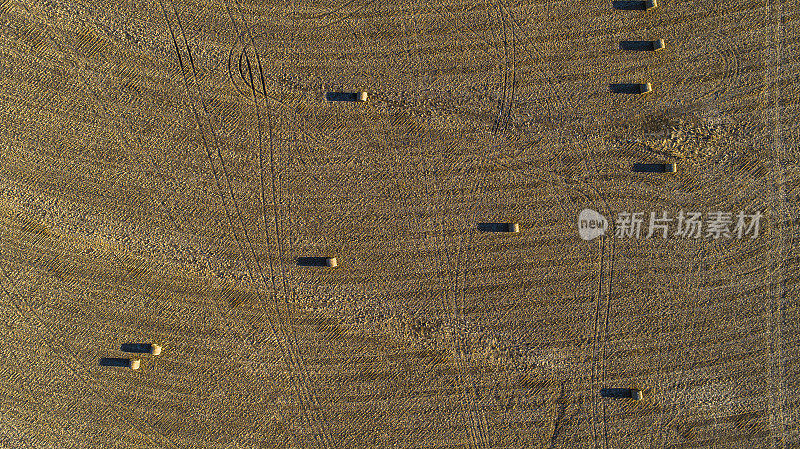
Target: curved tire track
<point>316,421</point>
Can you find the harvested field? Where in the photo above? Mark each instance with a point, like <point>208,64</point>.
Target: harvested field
<point>172,173</point>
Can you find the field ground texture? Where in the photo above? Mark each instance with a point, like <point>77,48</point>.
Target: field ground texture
<point>164,163</point>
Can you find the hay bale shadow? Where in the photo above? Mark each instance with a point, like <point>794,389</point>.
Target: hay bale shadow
<point>630,88</point>
<point>634,5</point>
<point>141,348</point>
<point>119,362</point>
<point>498,227</point>
<point>316,262</point>
<point>620,393</point>
<point>641,45</point>
<point>346,96</point>
<point>653,168</point>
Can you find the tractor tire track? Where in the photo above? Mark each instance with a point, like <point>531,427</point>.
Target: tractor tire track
<point>601,314</point>
<point>199,126</point>
<point>282,316</point>
<point>435,242</point>
<point>517,33</point>
<point>236,64</point>
<point>317,421</point>
<point>602,336</point>
<point>582,187</point>
<point>778,288</point>
<point>455,304</point>
<point>477,429</point>
<point>509,86</point>
<point>598,416</point>
<point>502,99</point>
<point>723,73</point>
<point>434,175</point>
<point>286,348</point>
